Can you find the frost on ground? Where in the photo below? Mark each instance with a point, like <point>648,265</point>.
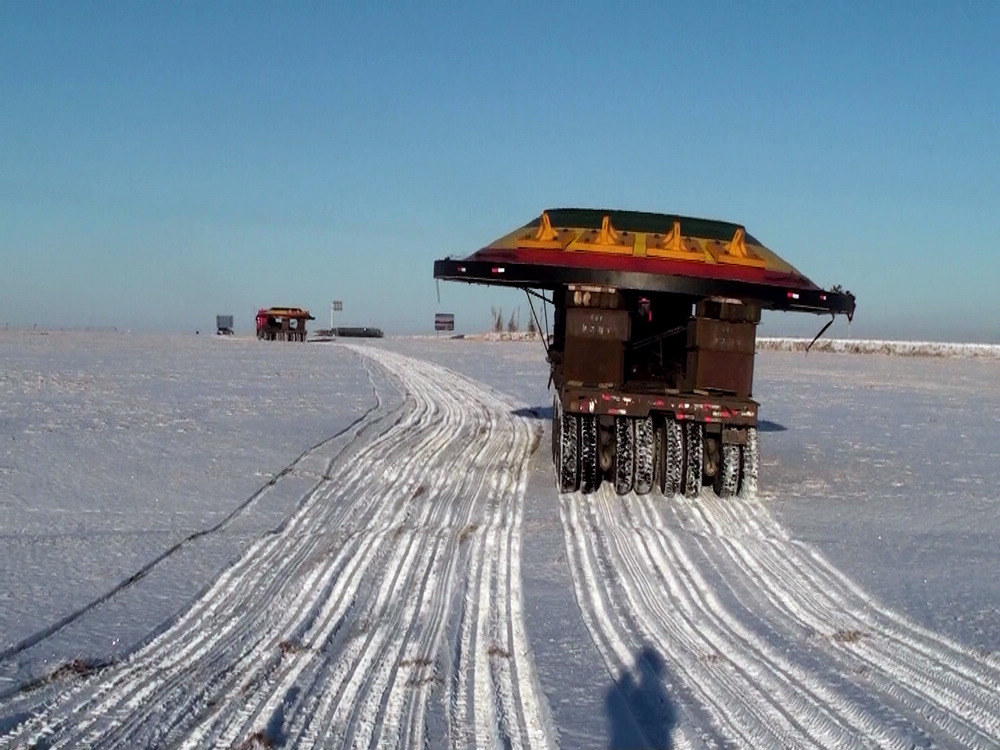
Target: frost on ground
<point>217,542</point>
<point>874,346</point>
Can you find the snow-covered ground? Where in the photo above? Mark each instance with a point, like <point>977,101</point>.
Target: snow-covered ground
<point>876,346</point>
<point>214,542</point>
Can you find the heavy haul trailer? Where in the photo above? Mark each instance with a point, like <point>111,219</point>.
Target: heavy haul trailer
<point>652,342</point>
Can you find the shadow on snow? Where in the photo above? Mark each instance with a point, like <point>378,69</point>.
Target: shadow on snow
<point>639,709</point>
<point>765,425</point>
<point>534,412</point>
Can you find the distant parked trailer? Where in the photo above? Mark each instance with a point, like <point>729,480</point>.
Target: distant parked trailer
<point>282,323</point>
<point>363,332</point>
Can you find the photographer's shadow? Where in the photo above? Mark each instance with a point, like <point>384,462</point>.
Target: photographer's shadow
<point>639,709</point>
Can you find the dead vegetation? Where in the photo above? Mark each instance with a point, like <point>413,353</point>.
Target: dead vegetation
<point>291,647</point>
<point>499,651</point>
<point>466,533</point>
<point>848,636</point>
<point>256,741</point>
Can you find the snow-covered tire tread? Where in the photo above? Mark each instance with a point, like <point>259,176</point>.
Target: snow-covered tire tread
<point>694,457</point>
<point>566,448</point>
<point>590,465</point>
<point>644,455</point>
<point>625,458</point>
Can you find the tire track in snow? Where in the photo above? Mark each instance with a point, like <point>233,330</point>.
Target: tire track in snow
<point>296,465</point>
<point>950,687</point>
<point>385,613</point>
<point>770,644</point>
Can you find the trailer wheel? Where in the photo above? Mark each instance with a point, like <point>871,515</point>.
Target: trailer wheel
<point>590,463</point>
<point>727,478</point>
<point>673,457</point>
<point>644,455</point>
<point>624,454</point>
<point>694,457</point>
<point>750,464</point>
<point>659,439</point>
<point>565,447</point>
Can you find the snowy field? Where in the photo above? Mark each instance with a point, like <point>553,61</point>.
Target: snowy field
<point>215,542</point>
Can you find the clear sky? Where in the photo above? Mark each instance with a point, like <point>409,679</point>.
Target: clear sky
<point>164,162</point>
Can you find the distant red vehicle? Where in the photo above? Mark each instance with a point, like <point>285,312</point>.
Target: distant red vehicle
<point>282,323</point>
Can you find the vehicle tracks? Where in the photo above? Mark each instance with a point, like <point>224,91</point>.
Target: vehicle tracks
<point>769,645</point>
<point>386,612</point>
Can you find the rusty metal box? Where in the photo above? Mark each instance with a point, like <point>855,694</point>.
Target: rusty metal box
<point>595,349</point>
<point>720,356</point>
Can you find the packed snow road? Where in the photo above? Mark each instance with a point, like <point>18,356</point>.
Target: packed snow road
<point>432,589</point>
<point>385,613</point>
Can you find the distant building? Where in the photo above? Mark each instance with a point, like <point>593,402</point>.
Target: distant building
<point>282,323</point>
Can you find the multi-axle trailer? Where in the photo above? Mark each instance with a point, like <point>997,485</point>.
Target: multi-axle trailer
<point>652,341</point>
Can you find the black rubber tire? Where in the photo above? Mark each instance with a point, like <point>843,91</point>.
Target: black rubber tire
<point>659,441</point>
<point>694,456</point>
<point>624,455</point>
<point>644,455</point>
<point>565,448</point>
<point>727,478</point>
<point>673,457</point>
<point>590,465</point>
<point>750,464</point>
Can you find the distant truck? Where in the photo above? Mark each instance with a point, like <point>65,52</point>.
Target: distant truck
<point>282,323</point>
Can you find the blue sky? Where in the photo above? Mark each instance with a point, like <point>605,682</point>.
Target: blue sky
<point>162,163</point>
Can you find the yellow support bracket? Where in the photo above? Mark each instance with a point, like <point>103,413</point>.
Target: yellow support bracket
<point>547,237</point>
<point>736,252</point>
<point>608,235</point>
<point>673,246</point>
<point>607,240</point>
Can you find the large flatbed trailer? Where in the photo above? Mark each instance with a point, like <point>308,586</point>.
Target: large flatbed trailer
<point>652,341</point>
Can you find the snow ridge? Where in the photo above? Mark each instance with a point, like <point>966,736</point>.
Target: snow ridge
<point>875,346</point>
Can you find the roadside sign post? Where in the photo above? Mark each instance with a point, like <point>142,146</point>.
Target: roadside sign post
<point>336,305</point>
<point>444,322</point>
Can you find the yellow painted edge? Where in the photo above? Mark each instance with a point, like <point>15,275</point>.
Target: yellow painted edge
<point>719,253</point>
<point>560,242</point>
<point>736,260</point>
<point>592,247</point>
<point>658,252</point>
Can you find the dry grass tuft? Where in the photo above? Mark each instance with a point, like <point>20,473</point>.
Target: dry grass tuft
<point>496,650</point>
<point>256,741</point>
<point>466,534</point>
<point>848,636</point>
